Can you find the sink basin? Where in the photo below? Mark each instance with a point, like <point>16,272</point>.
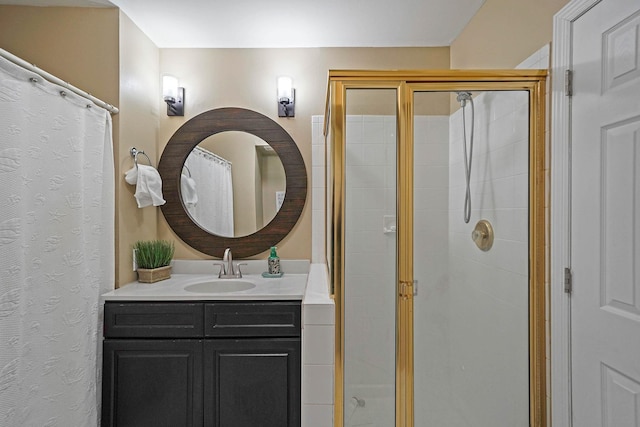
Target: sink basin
<point>220,286</point>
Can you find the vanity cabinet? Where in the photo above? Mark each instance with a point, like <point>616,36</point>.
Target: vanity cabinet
<point>214,364</point>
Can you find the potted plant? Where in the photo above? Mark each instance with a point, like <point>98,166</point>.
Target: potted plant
<point>154,260</point>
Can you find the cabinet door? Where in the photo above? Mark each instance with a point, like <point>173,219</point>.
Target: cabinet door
<point>152,383</point>
<point>252,382</point>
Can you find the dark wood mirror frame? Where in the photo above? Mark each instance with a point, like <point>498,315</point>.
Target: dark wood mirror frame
<point>195,131</point>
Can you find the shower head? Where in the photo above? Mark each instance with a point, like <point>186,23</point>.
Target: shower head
<point>463,97</point>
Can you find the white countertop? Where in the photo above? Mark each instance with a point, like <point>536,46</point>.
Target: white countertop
<point>291,286</point>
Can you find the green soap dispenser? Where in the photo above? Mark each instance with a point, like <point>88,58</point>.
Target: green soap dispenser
<point>274,262</point>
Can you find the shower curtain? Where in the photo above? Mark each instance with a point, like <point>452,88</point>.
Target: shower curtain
<point>56,250</point>
<point>212,175</point>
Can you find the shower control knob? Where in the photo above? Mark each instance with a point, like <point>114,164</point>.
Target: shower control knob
<point>477,235</point>
<point>482,235</point>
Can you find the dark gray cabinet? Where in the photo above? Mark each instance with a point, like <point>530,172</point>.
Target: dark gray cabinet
<point>254,382</point>
<point>214,364</point>
<point>152,383</point>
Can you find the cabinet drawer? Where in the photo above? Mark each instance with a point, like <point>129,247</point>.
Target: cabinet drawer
<point>257,319</point>
<point>153,320</point>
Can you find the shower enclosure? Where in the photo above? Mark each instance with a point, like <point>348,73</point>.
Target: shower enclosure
<point>436,247</point>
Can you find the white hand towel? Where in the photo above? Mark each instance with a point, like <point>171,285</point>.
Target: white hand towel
<point>188,190</point>
<point>148,185</point>
<point>131,176</point>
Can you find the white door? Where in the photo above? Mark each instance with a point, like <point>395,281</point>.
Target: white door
<point>605,216</point>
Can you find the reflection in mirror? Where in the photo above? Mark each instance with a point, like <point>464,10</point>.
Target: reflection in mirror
<point>233,184</point>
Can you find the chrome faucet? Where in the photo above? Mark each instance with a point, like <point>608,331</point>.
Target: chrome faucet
<point>227,269</point>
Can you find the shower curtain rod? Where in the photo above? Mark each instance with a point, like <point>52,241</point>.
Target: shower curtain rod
<point>53,79</point>
<point>214,155</point>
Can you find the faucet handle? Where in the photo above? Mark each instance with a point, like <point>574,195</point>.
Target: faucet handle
<point>238,272</point>
<point>223,270</point>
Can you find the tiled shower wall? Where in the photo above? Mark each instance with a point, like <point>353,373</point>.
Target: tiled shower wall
<point>488,291</point>
<point>370,258</point>
<point>459,326</point>
<point>432,371</point>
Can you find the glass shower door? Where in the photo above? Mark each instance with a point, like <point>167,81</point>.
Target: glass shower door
<point>370,258</point>
<point>471,311</point>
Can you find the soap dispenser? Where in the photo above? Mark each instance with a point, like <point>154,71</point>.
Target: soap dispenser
<point>274,262</point>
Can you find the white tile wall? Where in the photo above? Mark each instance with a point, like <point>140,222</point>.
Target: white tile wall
<point>373,196</point>
<point>321,376</point>
<point>318,351</point>
<point>318,314</point>
<point>431,323</point>
<point>317,416</point>
<point>319,344</point>
<point>370,264</point>
<point>488,291</point>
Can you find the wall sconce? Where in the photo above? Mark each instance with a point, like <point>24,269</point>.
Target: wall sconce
<point>286,97</point>
<point>173,96</point>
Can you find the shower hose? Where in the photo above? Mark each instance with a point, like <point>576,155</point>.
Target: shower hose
<point>468,157</point>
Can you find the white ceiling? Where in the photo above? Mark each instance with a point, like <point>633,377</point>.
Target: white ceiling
<point>290,23</point>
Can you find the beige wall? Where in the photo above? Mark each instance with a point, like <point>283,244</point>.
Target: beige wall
<point>139,110</point>
<point>78,45</point>
<point>504,33</point>
<point>246,78</point>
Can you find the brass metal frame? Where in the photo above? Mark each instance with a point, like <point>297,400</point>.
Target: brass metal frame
<point>406,83</point>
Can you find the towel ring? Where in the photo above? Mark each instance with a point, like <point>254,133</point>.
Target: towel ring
<point>188,171</point>
<point>134,153</point>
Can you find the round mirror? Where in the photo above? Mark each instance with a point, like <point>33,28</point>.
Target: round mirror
<point>284,196</point>
<point>232,184</point>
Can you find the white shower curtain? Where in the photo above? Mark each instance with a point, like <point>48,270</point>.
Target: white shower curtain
<point>212,175</point>
<point>56,250</point>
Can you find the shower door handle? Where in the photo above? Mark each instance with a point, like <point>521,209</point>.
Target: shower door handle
<point>403,290</point>
<point>408,289</point>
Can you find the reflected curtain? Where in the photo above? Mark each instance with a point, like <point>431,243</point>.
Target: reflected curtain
<point>212,176</point>
<point>56,250</point>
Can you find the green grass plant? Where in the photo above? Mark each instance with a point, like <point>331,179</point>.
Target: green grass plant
<point>153,253</point>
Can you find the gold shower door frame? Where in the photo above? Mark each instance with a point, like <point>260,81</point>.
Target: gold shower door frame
<point>406,83</point>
